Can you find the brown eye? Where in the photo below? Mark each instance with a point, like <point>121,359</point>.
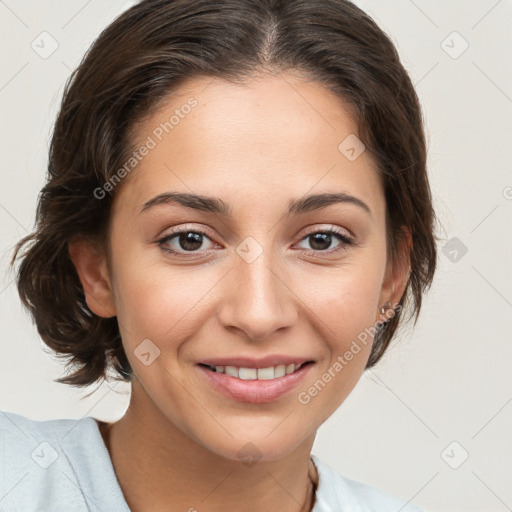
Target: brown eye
<point>184,241</point>
<point>321,241</point>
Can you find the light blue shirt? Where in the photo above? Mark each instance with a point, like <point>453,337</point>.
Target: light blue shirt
<point>63,465</point>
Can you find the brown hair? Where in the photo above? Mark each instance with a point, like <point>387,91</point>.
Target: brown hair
<point>134,64</point>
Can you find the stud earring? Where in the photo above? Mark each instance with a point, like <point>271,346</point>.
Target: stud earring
<point>382,323</point>
<point>386,306</point>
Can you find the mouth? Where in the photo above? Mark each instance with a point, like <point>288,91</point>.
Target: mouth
<point>268,373</point>
<point>254,385</point>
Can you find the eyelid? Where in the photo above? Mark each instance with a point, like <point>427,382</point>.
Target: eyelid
<point>189,227</point>
<point>163,239</point>
<point>345,237</point>
<point>346,241</point>
<point>329,227</point>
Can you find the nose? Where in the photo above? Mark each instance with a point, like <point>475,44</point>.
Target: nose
<point>258,298</point>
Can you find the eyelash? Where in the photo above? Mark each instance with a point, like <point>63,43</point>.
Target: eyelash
<point>344,239</point>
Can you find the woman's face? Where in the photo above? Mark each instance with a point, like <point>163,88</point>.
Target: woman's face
<point>258,275</point>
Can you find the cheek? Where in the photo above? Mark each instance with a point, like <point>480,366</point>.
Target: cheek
<point>160,301</point>
<point>343,310</point>
<point>343,307</point>
<point>345,299</point>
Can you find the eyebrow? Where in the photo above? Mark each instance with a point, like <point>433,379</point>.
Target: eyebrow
<point>217,206</point>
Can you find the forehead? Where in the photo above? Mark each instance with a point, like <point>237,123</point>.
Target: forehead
<point>272,138</point>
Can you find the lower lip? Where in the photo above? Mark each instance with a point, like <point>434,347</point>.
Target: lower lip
<point>254,391</point>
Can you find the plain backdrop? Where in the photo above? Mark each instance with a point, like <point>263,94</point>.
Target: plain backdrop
<point>431,423</point>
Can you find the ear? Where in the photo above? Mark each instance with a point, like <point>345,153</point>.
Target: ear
<point>91,265</point>
<point>397,273</point>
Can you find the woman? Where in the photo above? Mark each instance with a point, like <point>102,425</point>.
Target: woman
<point>236,214</point>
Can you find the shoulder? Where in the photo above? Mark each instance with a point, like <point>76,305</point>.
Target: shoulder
<point>44,464</point>
<point>337,492</point>
<point>16,426</point>
<point>26,441</point>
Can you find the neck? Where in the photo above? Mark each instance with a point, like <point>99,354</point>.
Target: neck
<point>168,470</point>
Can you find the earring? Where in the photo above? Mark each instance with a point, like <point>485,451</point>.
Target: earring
<point>383,309</point>
<point>386,306</point>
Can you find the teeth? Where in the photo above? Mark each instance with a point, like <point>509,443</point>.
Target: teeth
<point>272,372</point>
<point>266,373</point>
<point>247,373</point>
<point>231,370</point>
<point>280,370</point>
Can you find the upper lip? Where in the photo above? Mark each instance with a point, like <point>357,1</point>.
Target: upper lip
<point>251,362</point>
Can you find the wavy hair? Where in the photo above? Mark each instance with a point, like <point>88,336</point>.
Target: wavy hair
<point>130,69</point>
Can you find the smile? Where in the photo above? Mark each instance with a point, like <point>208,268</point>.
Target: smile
<point>254,385</point>
<point>270,373</point>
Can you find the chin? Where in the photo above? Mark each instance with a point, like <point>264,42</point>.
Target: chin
<point>258,446</point>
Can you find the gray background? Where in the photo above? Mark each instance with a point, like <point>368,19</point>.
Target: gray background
<point>443,391</point>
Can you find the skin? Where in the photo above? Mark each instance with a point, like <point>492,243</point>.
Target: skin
<point>257,147</point>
